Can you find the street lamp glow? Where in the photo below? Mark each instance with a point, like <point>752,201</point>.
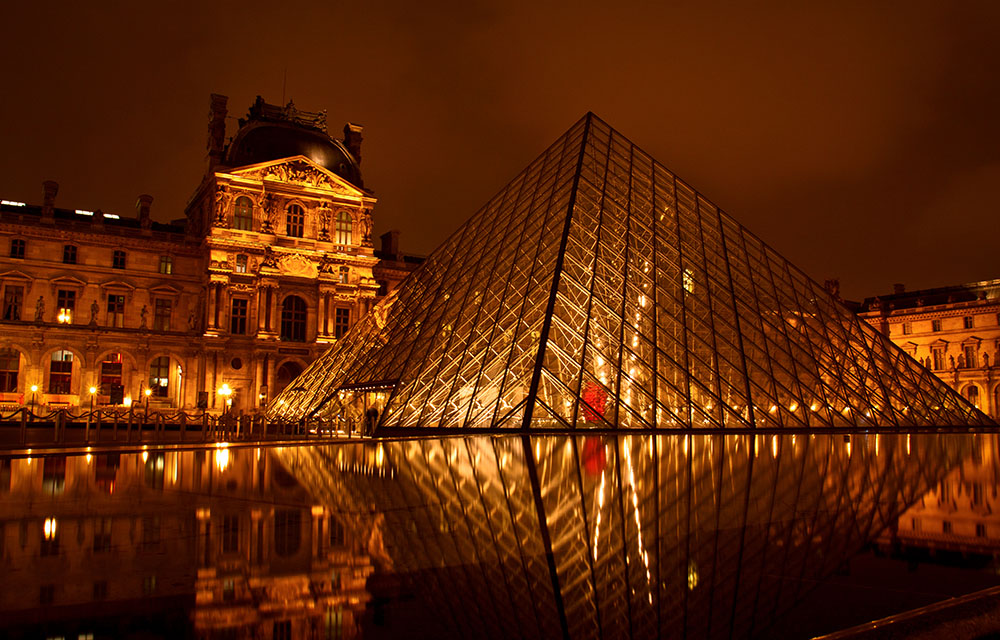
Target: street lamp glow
<point>148,392</point>
<point>93,390</point>
<point>225,390</point>
<point>34,388</point>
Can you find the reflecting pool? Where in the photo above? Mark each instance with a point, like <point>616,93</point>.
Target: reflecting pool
<point>697,536</point>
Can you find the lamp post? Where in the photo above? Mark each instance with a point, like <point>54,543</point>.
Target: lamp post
<point>34,390</point>
<point>226,392</point>
<point>93,391</point>
<point>147,392</point>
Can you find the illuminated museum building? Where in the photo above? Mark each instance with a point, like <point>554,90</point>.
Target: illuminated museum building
<point>953,331</point>
<point>272,263</point>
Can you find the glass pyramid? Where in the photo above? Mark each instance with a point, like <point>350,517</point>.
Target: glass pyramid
<point>598,290</point>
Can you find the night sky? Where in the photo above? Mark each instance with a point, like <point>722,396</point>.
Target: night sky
<point>862,142</point>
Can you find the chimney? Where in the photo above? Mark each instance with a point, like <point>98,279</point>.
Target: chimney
<point>49,190</point>
<point>352,140</point>
<point>898,288</point>
<point>142,210</point>
<point>390,243</point>
<point>216,129</point>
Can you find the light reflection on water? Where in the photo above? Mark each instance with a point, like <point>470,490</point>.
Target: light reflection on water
<point>588,536</point>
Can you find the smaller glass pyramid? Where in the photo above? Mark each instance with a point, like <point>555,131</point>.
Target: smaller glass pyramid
<point>597,290</point>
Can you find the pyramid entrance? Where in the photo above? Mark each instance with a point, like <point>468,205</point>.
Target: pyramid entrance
<point>598,290</point>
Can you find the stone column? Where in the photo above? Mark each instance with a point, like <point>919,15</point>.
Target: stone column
<point>321,315</point>
<point>212,311</point>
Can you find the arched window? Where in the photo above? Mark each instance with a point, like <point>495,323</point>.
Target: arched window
<point>243,214</point>
<point>293,319</point>
<point>61,372</point>
<point>971,393</point>
<point>10,365</point>
<point>295,221</point>
<point>159,376</point>
<point>344,228</point>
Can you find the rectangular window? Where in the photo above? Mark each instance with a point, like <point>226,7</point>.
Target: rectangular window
<point>69,254</point>
<point>970,356</point>
<point>61,372</point>
<point>344,275</point>
<point>13,300</point>
<point>938,355</point>
<point>341,322</point>
<point>935,325</point>
<point>10,364</point>
<point>238,317</point>
<point>907,328</point>
<point>111,373</point>
<point>17,248</point>
<point>66,305</point>
<point>166,265</point>
<point>102,535</point>
<point>241,263</point>
<point>230,534</point>
<point>967,322</point>
<point>116,310</point>
<point>118,259</point>
<point>162,310</point>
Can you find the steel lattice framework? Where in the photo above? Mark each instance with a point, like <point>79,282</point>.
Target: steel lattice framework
<point>598,290</point>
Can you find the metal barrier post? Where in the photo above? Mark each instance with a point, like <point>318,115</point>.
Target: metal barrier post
<point>24,424</point>
<point>114,428</point>
<point>97,436</point>
<point>128,429</point>
<point>183,425</point>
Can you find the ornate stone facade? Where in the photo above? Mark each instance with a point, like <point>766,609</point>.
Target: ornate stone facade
<point>953,331</point>
<point>272,263</point>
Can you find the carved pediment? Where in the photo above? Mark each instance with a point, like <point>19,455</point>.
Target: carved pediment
<point>14,274</point>
<point>119,285</point>
<point>66,282</point>
<point>298,170</point>
<point>165,290</point>
<point>294,265</point>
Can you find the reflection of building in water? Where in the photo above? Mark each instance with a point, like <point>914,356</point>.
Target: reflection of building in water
<point>218,543</point>
<point>961,512</point>
<point>634,536</point>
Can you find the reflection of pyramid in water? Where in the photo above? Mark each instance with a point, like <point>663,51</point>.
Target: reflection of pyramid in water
<point>598,290</point>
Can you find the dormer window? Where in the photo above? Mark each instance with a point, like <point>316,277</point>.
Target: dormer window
<point>243,215</point>
<point>344,228</point>
<point>295,221</point>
